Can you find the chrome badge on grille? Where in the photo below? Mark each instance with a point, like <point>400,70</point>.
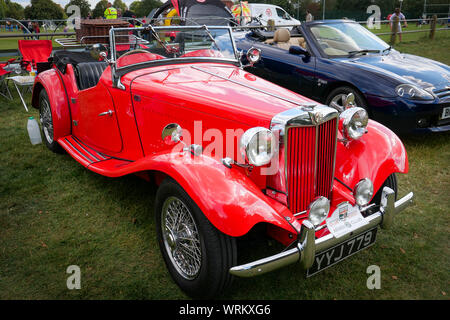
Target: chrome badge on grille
<point>316,118</point>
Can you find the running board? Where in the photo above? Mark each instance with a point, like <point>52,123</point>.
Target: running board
<point>90,158</point>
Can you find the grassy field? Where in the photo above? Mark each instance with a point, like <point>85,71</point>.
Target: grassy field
<point>54,213</point>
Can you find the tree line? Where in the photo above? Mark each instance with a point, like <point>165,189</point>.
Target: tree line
<point>354,9</point>
<point>49,10</point>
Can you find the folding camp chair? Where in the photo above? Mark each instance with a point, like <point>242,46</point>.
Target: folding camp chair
<point>34,51</point>
<point>4,88</point>
<point>6,68</point>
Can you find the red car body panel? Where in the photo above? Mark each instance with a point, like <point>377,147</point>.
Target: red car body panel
<point>375,156</point>
<point>100,132</point>
<point>54,86</point>
<point>232,199</point>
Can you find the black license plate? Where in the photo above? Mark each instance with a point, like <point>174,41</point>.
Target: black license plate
<point>341,251</point>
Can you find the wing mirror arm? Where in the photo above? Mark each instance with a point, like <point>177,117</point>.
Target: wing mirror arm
<point>115,78</point>
<point>299,51</point>
<point>104,57</point>
<point>253,56</point>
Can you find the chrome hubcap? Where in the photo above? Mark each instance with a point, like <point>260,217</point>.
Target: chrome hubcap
<point>46,121</point>
<point>181,238</point>
<point>338,102</point>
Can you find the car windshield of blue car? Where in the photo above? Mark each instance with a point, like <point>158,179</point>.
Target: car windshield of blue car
<point>346,39</point>
<point>181,43</point>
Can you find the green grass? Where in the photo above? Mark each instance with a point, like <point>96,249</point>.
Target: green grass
<point>11,43</point>
<point>54,213</point>
<point>419,43</point>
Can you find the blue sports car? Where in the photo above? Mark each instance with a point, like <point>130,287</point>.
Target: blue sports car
<point>327,60</point>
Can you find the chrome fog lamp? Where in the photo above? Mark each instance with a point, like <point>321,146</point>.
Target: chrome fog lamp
<point>363,192</point>
<point>318,210</point>
<point>258,146</point>
<point>355,122</point>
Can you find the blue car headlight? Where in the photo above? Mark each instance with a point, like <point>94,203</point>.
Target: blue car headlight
<point>412,92</point>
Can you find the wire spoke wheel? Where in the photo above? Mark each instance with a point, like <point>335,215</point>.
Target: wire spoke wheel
<point>181,238</point>
<point>45,115</point>
<point>197,255</point>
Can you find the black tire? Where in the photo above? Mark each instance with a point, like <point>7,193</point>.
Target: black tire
<point>209,274</point>
<point>46,120</point>
<point>390,182</point>
<point>338,92</point>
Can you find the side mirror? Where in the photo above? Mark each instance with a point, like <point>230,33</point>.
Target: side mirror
<point>104,57</point>
<point>253,55</point>
<point>299,51</point>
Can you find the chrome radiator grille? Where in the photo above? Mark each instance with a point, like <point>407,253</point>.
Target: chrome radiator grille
<point>310,159</point>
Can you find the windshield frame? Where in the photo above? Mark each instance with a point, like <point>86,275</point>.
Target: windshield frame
<point>310,25</point>
<point>118,72</point>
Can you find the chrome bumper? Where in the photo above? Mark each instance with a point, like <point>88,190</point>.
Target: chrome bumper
<point>308,245</point>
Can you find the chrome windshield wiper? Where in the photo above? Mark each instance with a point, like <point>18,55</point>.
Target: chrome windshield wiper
<point>210,36</point>
<point>353,53</point>
<point>388,49</point>
<point>156,36</point>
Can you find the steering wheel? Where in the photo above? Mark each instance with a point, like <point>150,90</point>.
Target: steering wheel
<point>133,52</point>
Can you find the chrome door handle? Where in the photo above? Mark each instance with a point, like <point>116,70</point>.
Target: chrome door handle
<point>106,113</point>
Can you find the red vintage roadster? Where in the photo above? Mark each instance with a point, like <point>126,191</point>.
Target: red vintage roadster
<point>228,150</point>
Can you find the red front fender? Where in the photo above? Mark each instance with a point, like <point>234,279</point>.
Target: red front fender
<point>376,155</point>
<point>228,198</point>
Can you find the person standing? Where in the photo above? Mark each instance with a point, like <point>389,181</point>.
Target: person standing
<point>110,12</point>
<point>401,17</point>
<point>309,16</point>
<point>36,29</point>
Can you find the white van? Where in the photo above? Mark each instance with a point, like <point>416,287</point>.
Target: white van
<point>270,11</point>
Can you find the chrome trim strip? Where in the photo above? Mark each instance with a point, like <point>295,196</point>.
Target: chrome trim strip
<point>85,150</point>
<point>316,159</point>
<point>300,213</point>
<point>304,116</point>
<point>308,246</point>
<point>86,157</point>
<point>335,151</point>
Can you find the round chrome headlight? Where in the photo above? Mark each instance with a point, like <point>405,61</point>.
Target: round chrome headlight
<point>363,192</point>
<point>355,122</point>
<point>318,210</point>
<point>258,146</point>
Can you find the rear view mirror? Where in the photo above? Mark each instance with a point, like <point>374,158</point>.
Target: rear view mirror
<point>96,50</point>
<point>253,55</point>
<point>297,50</point>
